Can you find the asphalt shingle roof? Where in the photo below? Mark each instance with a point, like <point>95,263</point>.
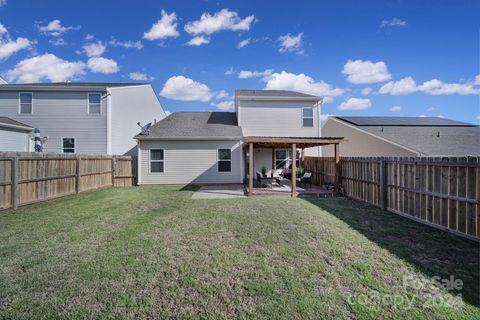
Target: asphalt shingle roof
<point>403,121</point>
<point>272,93</point>
<point>198,125</point>
<point>8,121</point>
<point>430,136</point>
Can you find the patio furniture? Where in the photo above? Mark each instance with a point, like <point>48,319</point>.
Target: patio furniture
<point>282,181</point>
<point>306,178</point>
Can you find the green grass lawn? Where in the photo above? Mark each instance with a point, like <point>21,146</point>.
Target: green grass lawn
<point>153,252</point>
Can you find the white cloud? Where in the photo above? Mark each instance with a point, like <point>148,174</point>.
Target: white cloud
<point>198,41</point>
<point>422,116</point>
<point>55,28</point>
<point>139,76</point>
<point>478,117</point>
<point>395,109</point>
<point>290,43</point>
<point>45,67</point>
<point>324,116</point>
<point>365,71</point>
<point>229,71</point>
<point>3,3</point>
<point>366,91</point>
<point>126,44</point>
<point>434,87</point>
<point>244,43</point>
<point>477,80</point>
<point>302,83</point>
<point>9,47</point>
<point>57,42</point>
<point>224,105</point>
<point>355,104</point>
<point>102,65</point>
<point>185,89</point>
<point>164,28</point>
<point>401,87</point>
<point>222,94</point>
<point>94,49</point>
<point>430,109</point>
<point>244,74</point>
<point>440,116</point>
<point>395,22</point>
<point>89,37</point>
<point>222,20</point>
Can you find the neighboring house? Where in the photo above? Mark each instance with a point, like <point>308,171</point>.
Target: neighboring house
<point>402,136</point>
<point>208,147</point>
<point>15,136</point>
<point>95,118</point>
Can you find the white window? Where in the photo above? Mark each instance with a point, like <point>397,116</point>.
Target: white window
<point>157,161</point>
<point>307,117</point>
<point>224,160</point>
<point>68,145</point>
<point>25,103</point>
<point>94,103</point>
<point>283,158</point>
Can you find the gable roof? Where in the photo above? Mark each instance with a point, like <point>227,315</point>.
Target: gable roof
<point>447,138</point>
<point>403,121</point>
<point>71,86</point>
<point>195,126</point>
<point>10,123</point>
<point>273,93</point>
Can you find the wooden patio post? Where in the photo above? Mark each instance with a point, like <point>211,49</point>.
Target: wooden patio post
<point>337,166</point>
<point>273,161</point>
<point>294,169</point>
<point>250,169</point>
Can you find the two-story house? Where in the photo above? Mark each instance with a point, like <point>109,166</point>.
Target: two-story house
<point>80,117</point>
<point>268,131</point>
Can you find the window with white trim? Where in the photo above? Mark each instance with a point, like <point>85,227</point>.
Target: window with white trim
<point>26,103</point>
<point>94,103</point>
<point>307,117</point>
<point>68,145</point>
<point>224,160</point>
<point>283,158</point>
<point>157,162</point>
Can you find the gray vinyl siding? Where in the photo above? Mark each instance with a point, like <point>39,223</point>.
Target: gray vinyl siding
<point>130,105</point>
<point>276,118</point>
<point>61,114</point>
<point>14,140</point>
<point>192,162</point>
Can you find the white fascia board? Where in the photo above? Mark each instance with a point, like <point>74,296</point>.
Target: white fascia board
<point>226,138</point>
<point>278,98</point>
<point>14,126</point>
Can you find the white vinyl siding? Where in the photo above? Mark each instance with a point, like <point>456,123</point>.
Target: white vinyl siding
<point>276,118</point>
<point>62,114</point>
<point>14,140</point>
<point>190,162</point>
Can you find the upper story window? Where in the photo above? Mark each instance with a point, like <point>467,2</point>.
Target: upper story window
<point>224,160</point>
<point>94,103</point>
<point>307,117</point>
<point>25,103</point>
<point>68,145</point>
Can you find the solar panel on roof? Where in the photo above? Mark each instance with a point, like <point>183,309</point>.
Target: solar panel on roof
<point>403,121</point>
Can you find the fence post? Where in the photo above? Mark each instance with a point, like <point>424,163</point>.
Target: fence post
<point>338,174</point>
<point>114,163</point>
<point>77,178</point>
<point>383,184</point>
<point>14,190</point>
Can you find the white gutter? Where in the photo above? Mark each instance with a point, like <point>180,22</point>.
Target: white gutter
<point>278,98</point>
<point>14,126</point>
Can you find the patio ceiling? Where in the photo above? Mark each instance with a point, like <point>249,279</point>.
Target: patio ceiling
<point>282,142</point>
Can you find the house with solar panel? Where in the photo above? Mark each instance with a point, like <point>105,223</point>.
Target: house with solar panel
<point>402,137</point>
<point>75,117</point>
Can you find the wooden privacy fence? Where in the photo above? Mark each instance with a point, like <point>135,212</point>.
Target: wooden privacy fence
<point>27,178</point>
<point>440,192</point>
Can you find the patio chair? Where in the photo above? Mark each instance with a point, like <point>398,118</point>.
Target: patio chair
<point>305,179</point>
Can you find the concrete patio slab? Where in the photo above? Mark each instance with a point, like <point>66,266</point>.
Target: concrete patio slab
<point>227,191</point>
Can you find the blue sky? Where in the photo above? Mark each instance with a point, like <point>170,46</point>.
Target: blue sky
<point>366,58</point>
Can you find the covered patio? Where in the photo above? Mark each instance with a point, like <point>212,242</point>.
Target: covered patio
<point>289,186</point>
